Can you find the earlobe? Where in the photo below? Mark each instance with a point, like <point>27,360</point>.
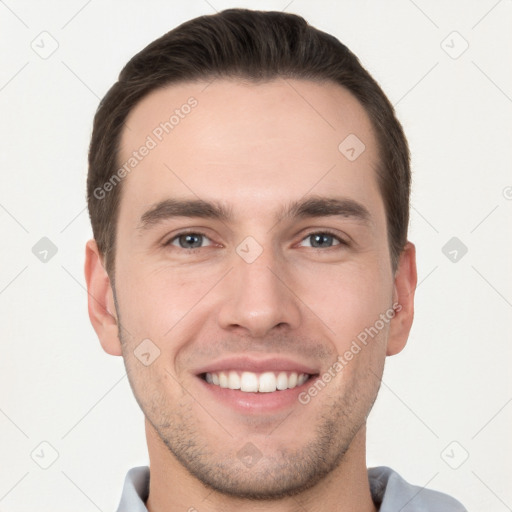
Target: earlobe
<point>100,298</point>
<point>403,300</point>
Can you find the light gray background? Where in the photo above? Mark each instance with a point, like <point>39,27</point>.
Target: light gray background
<point>447,396</point>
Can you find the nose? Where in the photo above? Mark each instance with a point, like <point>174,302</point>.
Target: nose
<point>258,297</point>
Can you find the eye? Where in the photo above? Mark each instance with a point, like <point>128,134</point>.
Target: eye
<point>323,239</point>
<point>188,240</point>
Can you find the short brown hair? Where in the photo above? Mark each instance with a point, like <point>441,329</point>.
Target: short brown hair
<point>259,46</point>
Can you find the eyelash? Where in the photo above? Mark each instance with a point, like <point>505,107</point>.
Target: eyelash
<point>341,241</point>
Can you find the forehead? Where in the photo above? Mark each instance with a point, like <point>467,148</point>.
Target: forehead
<point>243,142</point>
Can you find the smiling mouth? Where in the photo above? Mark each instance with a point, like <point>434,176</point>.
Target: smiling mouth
<point>250,382</point>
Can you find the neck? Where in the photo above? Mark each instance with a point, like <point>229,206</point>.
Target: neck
<point>172,488</point>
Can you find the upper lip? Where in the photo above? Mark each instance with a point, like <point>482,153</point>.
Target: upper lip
<point>256,365</point>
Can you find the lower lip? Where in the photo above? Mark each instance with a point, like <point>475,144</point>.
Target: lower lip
<point>256,402</point>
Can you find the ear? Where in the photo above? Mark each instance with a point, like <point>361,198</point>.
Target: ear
<point>403,300</point>
<point>101,301</point>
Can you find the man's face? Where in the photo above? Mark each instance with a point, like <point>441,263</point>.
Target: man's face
<point>257,291</point>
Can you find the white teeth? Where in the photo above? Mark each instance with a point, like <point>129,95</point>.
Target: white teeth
<point>234,380</point>
<point>282,381</point>
<point>249,382</point>
<point>267,382</point>
<point>223,380</point>
<point>301,379</point>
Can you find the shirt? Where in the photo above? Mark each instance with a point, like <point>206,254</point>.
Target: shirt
<point>390,492</point>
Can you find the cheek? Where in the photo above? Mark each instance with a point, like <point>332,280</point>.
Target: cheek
<point>347,299</point>
<point>153,302</point>
<point>154,386</point>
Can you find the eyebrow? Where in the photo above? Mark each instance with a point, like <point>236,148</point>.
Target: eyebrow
<point>316,206</point>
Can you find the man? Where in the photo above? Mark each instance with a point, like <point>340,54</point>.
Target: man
<point>248,190</point>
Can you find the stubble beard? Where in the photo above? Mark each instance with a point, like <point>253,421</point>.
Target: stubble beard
<point>284,473</point>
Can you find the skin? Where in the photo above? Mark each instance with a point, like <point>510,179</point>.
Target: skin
<point>255,148</point>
